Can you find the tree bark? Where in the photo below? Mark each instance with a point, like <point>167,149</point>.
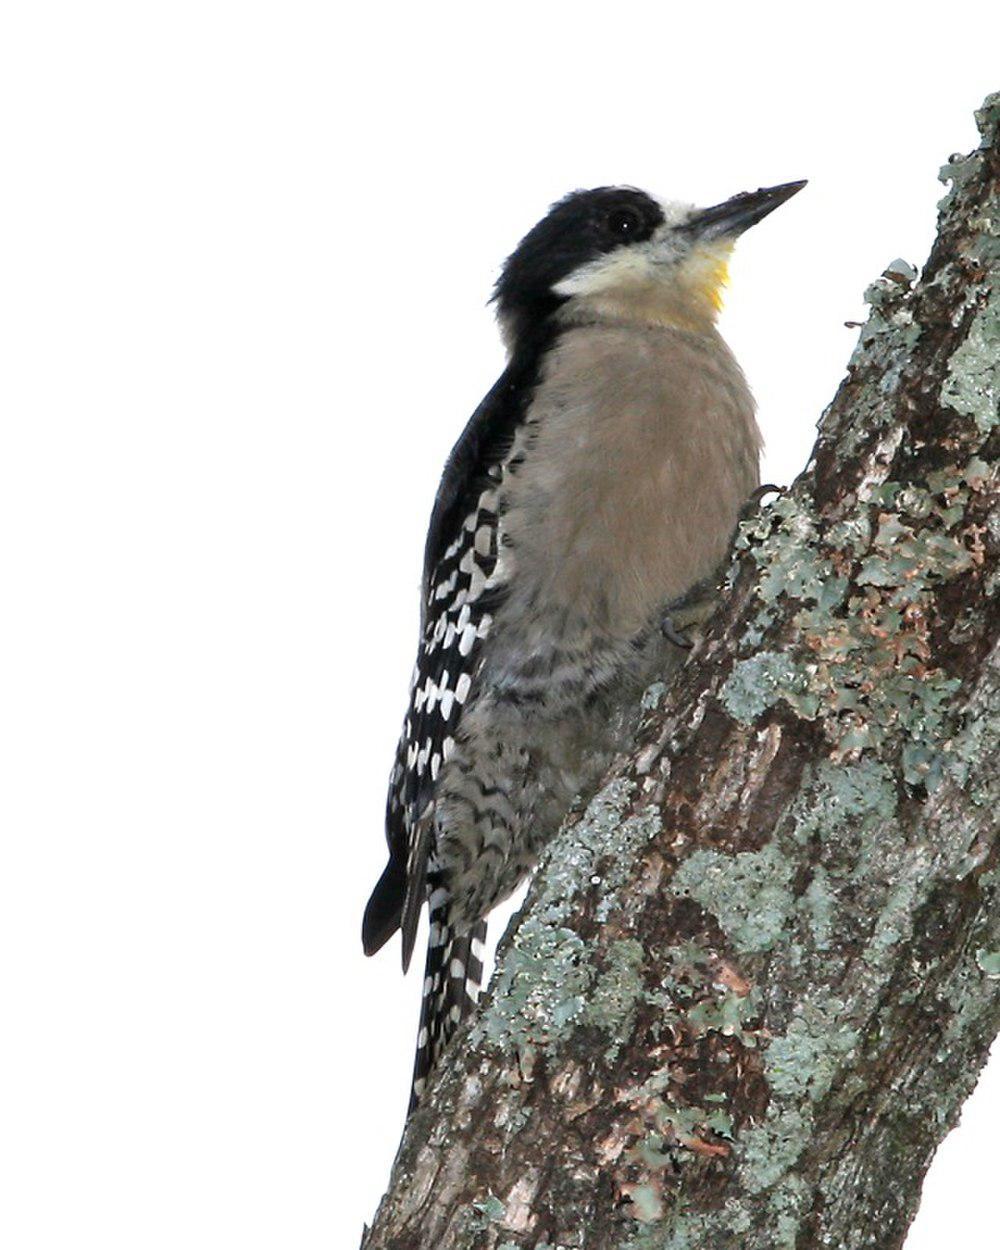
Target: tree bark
<point>755,979</point>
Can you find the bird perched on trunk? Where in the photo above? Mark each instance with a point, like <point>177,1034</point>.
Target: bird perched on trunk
<point>597,483</point>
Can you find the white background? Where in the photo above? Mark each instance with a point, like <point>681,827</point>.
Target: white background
<point>246,250</point>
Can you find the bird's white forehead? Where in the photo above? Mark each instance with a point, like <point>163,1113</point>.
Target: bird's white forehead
<point>675,212</point>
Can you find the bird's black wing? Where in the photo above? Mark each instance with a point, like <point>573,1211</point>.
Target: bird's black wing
<point>460,592</point>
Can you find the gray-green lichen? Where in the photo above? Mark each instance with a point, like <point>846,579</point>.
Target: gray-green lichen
<point>820,901</point>
<point>728,1013</point>
<point>540,988</point>
<point>616,992</point>
<point>862,666</point>
<point>547,982</point>
<point>491,1208</point>
<point>972,386</point>
<point>891,321</point>
<point>759,681</point>
<point>859,797</point>
<point>769,1152</point>
<point>748,893</point>
<point>989,961</point>
<point>802,1063</point>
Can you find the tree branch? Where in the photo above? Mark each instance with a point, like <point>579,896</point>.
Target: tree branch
<point>756,978</point>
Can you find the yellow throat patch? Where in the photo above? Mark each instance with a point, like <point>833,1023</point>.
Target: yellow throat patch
<point>706,274</point>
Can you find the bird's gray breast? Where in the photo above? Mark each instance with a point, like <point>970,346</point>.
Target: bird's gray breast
<point>626,482</point>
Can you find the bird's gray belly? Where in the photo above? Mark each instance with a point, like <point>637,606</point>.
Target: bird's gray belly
<point>537,734</point>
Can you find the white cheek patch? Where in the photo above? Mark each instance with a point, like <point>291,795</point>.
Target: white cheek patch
<point>625,267</point>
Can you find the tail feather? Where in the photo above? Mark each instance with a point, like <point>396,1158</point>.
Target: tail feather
<point>452,978</point>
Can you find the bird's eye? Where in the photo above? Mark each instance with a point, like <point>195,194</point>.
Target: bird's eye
<point>624,223</point>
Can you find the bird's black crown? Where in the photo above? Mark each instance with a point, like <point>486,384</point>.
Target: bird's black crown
<point>577,229</point>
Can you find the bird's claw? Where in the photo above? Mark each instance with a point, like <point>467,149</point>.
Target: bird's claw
<point>750,506</point>
<point>674,635</point>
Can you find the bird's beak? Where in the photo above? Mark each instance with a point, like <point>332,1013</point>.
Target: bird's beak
<point>732,217</point>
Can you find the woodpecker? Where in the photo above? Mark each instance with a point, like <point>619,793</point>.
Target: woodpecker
<point>597,483</point>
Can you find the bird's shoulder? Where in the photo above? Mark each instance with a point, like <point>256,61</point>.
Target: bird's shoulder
<point>478,458</point>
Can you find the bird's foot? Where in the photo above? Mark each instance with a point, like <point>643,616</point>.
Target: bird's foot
<point>691,610</point>
<point>674,635</point>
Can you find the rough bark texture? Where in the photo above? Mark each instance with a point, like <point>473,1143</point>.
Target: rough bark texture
<point>757,976</point>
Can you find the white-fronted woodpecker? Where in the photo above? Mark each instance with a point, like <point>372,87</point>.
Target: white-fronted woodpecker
<point>597,483</point>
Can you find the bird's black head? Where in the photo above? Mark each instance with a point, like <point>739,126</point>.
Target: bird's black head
<point>581,227</point>
<point>618,253</point>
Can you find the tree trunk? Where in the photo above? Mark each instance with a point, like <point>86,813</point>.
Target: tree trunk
<point>756,977</point>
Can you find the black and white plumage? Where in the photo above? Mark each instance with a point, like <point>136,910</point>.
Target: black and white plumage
<point>598,480</point>
<point>462,585</point>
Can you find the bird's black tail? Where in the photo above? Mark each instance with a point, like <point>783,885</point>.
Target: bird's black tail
<point>452,978</point>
